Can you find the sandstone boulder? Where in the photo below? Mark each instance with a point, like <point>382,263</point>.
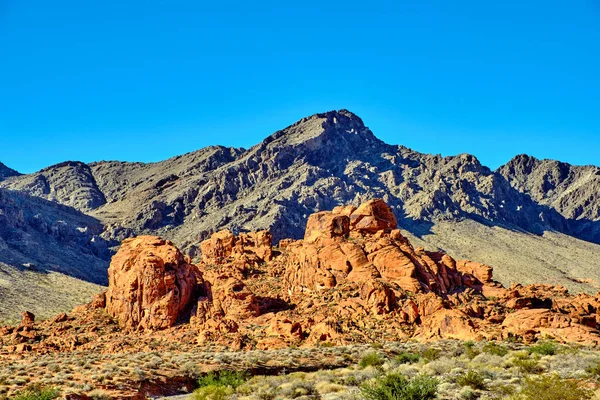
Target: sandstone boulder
<point>27,319</point>
<point>372,216</point>
<point>151,284</point>
<point>247,248</point>
<point>326,225</point>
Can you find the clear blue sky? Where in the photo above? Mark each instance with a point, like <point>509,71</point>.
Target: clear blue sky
<point>147,80</point>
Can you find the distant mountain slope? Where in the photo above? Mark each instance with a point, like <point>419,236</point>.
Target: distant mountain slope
<point>573,191</point>
<point>519,256</point>
<point>45,236</point>
<point>50,256</point>
<point>70,183</point>
<point>329,159</point>
<point>6,172</point>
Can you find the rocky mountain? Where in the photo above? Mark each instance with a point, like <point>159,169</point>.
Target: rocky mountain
<point>51,255</point>
<point>332,158</point>
<point>320,161</point>
<point>6,172</point>
<point>573,191</point>
<point>70,183</point>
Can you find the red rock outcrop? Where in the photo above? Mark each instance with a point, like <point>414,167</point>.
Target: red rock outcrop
<point>327,258</point>
<point>226,298</point>
<point>354,278</point>
<point>372,216</point>
<point>151,284</point>
<point>250,247</point>
<point>27,319</point>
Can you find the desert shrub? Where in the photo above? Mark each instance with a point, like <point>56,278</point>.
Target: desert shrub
<point>472,378</point>
<point>213,392</point>
<point>594,370</point>
<point>495,349</point>
<point>398,387</point>
<point>469,350</point>
<point>371,360</point>
<point>225,378</point>
<point>467,393</point>
<point>219,385</point>
<point>544,349</point>
<point>431,354</point>
<point>297,388</point>
<point>407,358</point>
<point>37,392</point>
<point>552,387</point>
<point>503,390</point>
<point>325,387</point>
<point>527,366</point>
<point>98,395</point>
<point>443,365</point>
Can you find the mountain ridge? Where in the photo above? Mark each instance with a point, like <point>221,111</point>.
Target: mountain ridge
<point>329,159</point>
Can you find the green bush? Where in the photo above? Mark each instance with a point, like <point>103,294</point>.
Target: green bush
<point>552,387</point>
<point>527,366</point>
<point>594,370</point>
<point>469,350</point>
<point>398,387</point>
<point>371,359</point>
<point>495,349</point>
<point>431,354</point>
<point>36,392</point>
<point>407,358</point>
<point>471,378</point>
<point>225,378</point>
<point>544,349</point>
<point>213,392</point>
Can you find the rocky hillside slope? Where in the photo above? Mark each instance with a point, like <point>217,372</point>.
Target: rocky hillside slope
<point>330,159</point>
<point>573,191</point>
<point>6,172</point>
<point>50,255</point>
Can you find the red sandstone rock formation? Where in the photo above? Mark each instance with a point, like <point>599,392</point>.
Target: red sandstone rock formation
<point>151,284</point>
<point>250,247</point>
<point>354,278</point>
<point>27,319</point>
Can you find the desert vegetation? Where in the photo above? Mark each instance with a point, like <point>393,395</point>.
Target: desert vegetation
<point>405,371</point>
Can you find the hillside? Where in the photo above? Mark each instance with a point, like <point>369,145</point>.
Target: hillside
<point>51,256</point>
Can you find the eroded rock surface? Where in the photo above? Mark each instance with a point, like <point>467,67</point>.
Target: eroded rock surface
<point>150,284</point>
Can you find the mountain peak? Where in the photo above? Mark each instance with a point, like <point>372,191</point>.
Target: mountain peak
<point>328,128</point>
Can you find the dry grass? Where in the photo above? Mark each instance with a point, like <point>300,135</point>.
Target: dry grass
<point>44,294</point>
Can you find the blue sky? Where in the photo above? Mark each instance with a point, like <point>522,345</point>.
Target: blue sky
<point>147,80</point>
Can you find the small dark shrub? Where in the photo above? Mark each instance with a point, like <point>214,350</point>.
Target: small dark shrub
<point>471,378</point>
<point>495,349</point>
<point>431,354</point>
<point>594,370</point>
<point>225,378</point>
<point>527,366</point>
<point>371,359</point>
<point>544,349</point>
<point>407,358</point>
<point>37,392</point>
<point>469,350</point>
<point>398,387</point>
